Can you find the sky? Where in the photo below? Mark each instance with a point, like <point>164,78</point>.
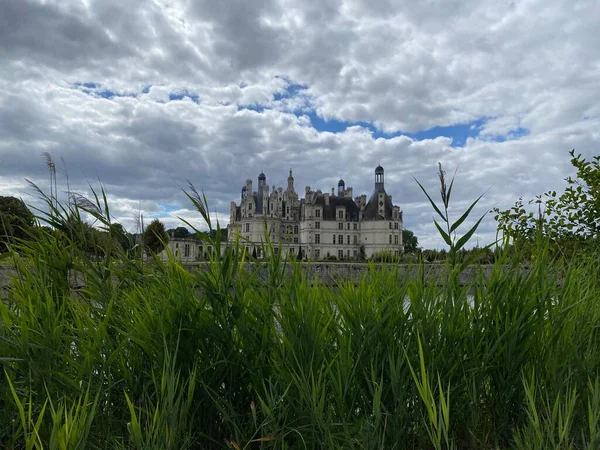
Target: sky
<point>142,97</point>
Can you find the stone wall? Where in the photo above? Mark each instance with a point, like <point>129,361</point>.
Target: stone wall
<point>334,273</point>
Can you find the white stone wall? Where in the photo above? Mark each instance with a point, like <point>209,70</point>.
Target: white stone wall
<point>376,234</point>
<point>187,250</point>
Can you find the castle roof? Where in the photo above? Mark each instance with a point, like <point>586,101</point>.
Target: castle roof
<point>334,202</point>
<point>371,211</point>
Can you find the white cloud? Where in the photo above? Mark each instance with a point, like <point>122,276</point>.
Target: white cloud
<point>399,66</point>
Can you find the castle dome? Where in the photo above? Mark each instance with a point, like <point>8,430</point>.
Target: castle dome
<point>341,182</point>
<point>379,169</point>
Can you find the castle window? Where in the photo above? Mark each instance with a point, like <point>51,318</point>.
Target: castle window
<point>176,245</point>
<point>355,239</point>
<point>390,238</point>
<point>348,227</point>
<point>258,253</point>
<point>334,238</point>
<point>317,238</point>
<point>317,253</point>
<point>390,225</point>
<point>295,240</point>
<point>186,250</point>
<point>396,239</point>
<point>340,214</point>
<point>395,225</point>
<point>355,253</point>
<point>340,226</point>
<point>340,254</point>
<point>295,229</point>
<point>341,239</point>
<point>317,224</point>
<point>348,242</point>
<point>247,228</point>
<point>355,225</point>
<point>317,213</point>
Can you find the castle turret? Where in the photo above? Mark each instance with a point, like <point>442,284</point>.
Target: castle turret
<point>290,185</point>
<point>262,182</point>
<point>341,188</point>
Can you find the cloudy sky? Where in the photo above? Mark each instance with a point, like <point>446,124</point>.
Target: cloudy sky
<point>145,95</point>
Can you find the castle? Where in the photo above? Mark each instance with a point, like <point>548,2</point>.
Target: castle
<point>320,225</point>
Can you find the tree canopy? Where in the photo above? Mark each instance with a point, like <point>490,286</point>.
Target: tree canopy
<point>179,232</point>
<point>155,236</point>
<point>410,242</point>
<point>572,216</point>
<point>16,220</point>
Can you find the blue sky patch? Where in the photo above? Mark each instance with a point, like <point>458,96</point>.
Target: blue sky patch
<point>512,135</point>
<point>95,90</point>
<point>168,207</point>
<point>183,94</point>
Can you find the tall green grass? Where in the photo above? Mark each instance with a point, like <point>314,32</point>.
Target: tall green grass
<point>112,353</point>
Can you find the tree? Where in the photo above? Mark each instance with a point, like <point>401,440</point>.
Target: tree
<point>179,232</point>
<point>571,216</point>
<point>120,234</point>
<point>16,221</point>
<point>409,241</point>
<point>155,236</point>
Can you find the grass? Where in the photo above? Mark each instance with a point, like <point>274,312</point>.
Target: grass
<point>151,356</point>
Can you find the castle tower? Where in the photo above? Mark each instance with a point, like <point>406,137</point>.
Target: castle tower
<point>262,182</point>
<point>379,178</point>
<point>290,185</point>
<point>341,188</point>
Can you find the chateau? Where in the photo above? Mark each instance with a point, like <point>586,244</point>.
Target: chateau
<point>320,225</point>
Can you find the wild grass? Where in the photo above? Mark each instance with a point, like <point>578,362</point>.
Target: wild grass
<point>113,353</point>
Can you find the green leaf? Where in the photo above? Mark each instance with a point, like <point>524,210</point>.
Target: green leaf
<point>458,223</point>
<point>463,240</point>
<point>443,233</point>
<point>450,188</point>
<point>431,201</point>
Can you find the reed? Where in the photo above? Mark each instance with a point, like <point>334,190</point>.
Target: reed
<point>107,352</point>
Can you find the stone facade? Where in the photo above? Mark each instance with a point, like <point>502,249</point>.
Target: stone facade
<point>320,225</point>
<point>187,249</point>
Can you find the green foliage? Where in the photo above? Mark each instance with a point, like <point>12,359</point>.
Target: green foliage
<point>155,237</point>
<point>410,242</point>
<point>16,221</point>
<point>384,256</point>
<point>179,232</point>
<point>117,353</point>
<point>571,220</point>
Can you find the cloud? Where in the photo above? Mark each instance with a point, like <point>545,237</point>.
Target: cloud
<point>215,92</point>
